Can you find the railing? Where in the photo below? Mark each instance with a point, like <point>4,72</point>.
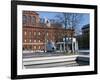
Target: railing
<point>84,51</point>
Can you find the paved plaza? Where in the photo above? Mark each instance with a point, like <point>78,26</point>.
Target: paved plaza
<point>43,54</point>
<point>50,54</point>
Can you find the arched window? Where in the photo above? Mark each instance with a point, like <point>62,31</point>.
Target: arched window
<point>29,19</point>
<point>24,19</point>
<point>33,20</point>
<point>42,20</point>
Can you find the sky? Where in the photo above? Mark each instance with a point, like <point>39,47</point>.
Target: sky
<point>51,15</point>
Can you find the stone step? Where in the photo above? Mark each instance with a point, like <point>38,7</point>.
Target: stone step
<point>54,64</point>
<point>44,60</point>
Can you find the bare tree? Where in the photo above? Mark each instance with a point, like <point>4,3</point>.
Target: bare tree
<point>70,20</point>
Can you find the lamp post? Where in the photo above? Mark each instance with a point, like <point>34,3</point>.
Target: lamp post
<point>65,37</point>
<point>72,29</point>
<point>45,40</point>
<point>46,31</point>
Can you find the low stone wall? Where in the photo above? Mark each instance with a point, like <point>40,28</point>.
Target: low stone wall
<point>82,58</point>
<point>71,60</point>
<point>44,60</point>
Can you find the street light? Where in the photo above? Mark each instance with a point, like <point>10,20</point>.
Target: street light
<point>47,22</point>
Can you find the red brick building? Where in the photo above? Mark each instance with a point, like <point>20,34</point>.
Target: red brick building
<point>36,33</point>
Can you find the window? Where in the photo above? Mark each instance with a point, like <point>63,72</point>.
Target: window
<point>25,33</point>
<point>33,20</point>
<point>39,40</point>
<point>30,47</point>
<point>39,47</point>
<point>29,19</point>
<point>39,33</point>
<point>25,40</point>
<point>47,34</point>
<point>34,40</point>
<point>34,47</point>
<point>30,40</point>
<point>30,33</point>
<point>42,20</point>
<point>34,33</point>
<point>47,40</point>
<point>24,19</point>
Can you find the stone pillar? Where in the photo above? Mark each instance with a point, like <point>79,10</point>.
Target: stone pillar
<point>64,46</point>
<point>72,46</point>
<point>60,47</point>
<point>76,47</point>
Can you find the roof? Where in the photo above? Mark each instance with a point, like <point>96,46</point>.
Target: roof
<point>30,12</point>
<point>86,26</point>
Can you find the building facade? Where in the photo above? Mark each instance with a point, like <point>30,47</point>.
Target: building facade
<point>36,33</point>
<point>84,38</point>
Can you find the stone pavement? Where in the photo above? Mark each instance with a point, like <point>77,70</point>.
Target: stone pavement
<point>42,54</point>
